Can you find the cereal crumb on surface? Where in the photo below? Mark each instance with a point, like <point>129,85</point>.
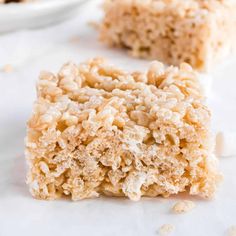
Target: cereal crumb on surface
<point>74,40</point>
<point>8,68</point>
<point>94,24</point>
<point>232,231</point>
<point>183,206</point>
<point>166,229</point>
<point>225,144</point>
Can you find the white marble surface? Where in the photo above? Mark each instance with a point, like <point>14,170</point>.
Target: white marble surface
<point>20,214</point>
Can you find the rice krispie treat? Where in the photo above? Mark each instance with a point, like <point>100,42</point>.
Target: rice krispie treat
<point>199,32</point>
<point>96,129</point>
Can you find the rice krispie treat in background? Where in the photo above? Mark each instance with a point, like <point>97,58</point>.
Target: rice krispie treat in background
<point>96,129</point>
<point>199,32</point>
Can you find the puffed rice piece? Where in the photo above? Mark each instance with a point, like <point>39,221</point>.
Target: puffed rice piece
<point>96,129</point>
<point>199,32</point>
<point>225,144</point>
<point>8,68</point>
<point>232,231</point>
<point>183,206</point>
<point>166,229</point>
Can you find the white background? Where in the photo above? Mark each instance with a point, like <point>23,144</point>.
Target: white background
<point>31,51</point>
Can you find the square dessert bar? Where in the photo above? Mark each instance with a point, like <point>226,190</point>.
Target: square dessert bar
<point>199,32</point>
<point>96,130</point>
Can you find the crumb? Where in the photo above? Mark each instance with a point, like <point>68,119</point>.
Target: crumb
<point>94,25</point>
<point>74,40</point>
<point>183,206</point>
<point>166,229</point>
<point>232,231</point>
<point>225,144</point>
<point>8,68</point>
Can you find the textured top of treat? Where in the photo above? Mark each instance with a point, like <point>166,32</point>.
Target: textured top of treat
<point>180,6</point>
<point>116,97</point>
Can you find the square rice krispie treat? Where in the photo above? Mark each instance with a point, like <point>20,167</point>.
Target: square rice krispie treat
<point>96,129</point>
<point>199,32</point>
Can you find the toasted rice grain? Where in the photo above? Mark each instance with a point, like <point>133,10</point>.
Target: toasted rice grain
<point>166,229</point>
<point>183,206</point>
<point>7,68</point>
<point>232,231</point>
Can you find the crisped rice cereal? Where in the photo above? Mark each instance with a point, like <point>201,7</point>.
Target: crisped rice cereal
<point>96,129</point>
<point>199,32</point>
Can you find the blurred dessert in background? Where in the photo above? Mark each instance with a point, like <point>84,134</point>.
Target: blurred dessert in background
<point>198,32</point>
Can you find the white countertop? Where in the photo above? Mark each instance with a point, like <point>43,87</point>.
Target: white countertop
<point>31,51</point>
